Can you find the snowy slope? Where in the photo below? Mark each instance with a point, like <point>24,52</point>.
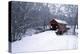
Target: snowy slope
<point>44,41</point>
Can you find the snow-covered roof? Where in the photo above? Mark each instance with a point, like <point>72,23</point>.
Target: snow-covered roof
<point>61,21</point>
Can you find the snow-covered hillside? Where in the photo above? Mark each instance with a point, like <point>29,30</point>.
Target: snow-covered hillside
<point>45,41</point>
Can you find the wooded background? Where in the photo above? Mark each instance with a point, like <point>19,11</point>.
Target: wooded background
<point>31,15</point>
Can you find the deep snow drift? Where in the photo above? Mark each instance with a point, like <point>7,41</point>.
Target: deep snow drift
<point>45,41</point>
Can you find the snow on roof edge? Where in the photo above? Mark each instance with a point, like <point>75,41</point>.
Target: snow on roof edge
<point>61,21</point>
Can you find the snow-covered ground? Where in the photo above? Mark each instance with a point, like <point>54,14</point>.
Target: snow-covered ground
<point>45,41</point>
<point>71,30</point>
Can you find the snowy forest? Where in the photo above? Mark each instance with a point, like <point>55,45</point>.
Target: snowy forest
<point>29,18</point>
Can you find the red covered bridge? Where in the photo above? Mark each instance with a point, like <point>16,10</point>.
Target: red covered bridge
<point>58,25</point>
